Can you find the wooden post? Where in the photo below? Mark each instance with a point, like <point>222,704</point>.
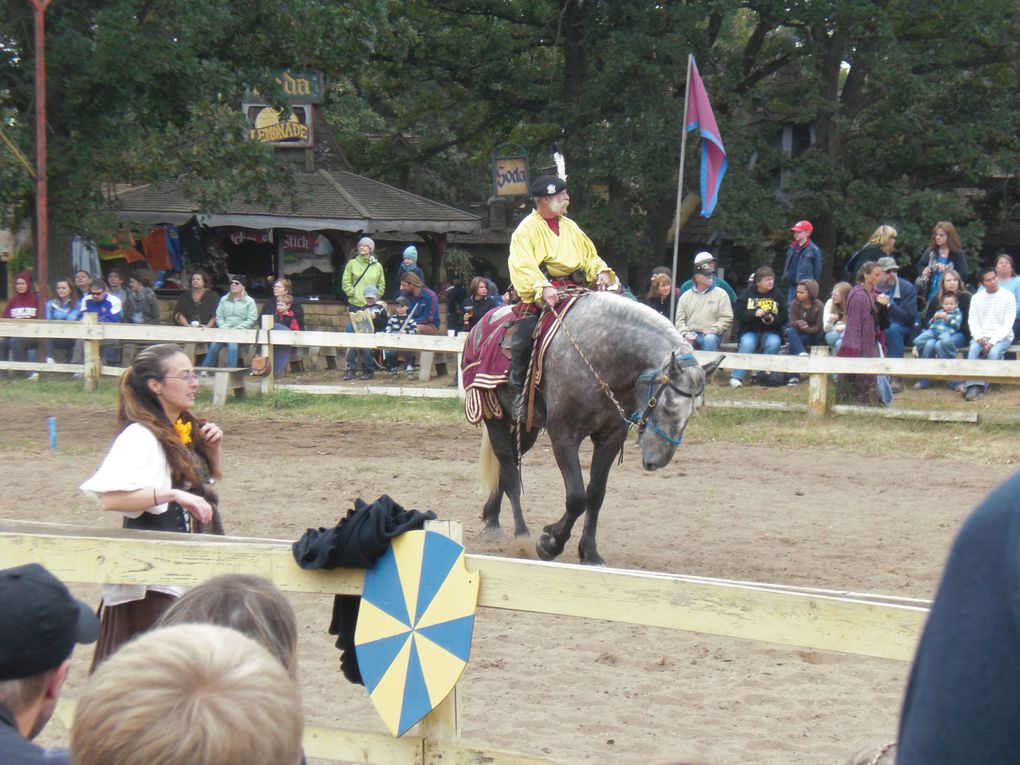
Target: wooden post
<point>819,400</point>
<point>443,722</point>
<point>93,360</point>
<point>268,381</point>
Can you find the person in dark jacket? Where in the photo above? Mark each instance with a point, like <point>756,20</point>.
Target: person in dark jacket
<point>42,624</point>
<point>480,304</point>
<point>760,315</point>
<point>879,245</point>
<point>960,704</point>
<point>902,308</point>
<point>803,258</point>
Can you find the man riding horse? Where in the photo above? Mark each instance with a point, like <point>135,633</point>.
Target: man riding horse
<point>548,251</point>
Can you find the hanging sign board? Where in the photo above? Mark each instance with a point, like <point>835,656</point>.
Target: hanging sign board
<point>510,170</point>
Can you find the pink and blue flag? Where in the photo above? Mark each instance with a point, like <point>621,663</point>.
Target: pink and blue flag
<point>713,153</point>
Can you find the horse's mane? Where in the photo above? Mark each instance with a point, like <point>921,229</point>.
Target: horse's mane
<point>610,308</point>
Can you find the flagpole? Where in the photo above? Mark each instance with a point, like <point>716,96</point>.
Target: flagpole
<point>680,188</point>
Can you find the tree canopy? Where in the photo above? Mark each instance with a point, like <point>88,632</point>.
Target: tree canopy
<point>851,113</point>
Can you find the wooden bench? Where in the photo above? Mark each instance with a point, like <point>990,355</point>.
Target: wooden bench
<point>225,380</point>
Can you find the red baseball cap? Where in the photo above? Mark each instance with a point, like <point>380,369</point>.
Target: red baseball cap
<point>802,225</point>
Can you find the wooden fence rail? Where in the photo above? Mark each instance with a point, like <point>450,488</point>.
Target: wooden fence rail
<point>818,367</point>
<point>857,623</point>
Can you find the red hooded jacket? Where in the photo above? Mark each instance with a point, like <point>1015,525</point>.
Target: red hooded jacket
<point>22,305</point>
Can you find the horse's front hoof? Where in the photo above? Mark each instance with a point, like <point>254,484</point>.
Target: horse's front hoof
<point>547,548</point>
<point>492,534</point>
<point>592,560</point>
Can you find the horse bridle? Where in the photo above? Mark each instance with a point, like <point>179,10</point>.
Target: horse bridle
<point>645,418</point>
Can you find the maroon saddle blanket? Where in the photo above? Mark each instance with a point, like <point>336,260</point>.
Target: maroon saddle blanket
<point>486,364</point>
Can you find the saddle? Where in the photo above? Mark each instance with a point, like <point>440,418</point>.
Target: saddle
<point>486,363</point>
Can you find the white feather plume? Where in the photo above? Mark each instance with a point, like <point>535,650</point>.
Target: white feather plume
<point>561,165</point>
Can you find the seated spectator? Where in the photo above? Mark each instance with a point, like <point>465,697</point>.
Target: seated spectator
<point>236,310</point>
<point>291,318</point>
<point>400,323</point>
<point>141,305</point>
<point>42,622</point>
<point>188,694</point>
<point>249,604</point>
<point>960,703</point>
<point>1008,280</point>
<point>197,307</point>
<point>950,283</point>
<point>760,316</point>
<point>379,318</point>
<point>424,308</point>
<point>703,314</point>
<point>660,295</point>
<point>992,313</point>
<point>63,307</point>
<point>23,304</point>
<point>481,302</point>
<point>702,259</point>
<point>902,308</point>
<point>806,321</point>
<point>115,285</point>
<point>834,313</point>
<point>108,308</point>
<point>940,329</point>
<point>805,325</point>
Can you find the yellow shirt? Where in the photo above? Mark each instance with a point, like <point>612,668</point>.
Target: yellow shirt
<point>534,244</point>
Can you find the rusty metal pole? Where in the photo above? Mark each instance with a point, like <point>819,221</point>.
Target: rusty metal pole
<point>41,190</point>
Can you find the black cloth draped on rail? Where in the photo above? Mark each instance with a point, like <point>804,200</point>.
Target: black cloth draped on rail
<point>357,541</point>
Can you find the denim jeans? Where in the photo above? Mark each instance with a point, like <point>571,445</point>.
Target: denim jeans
<point>749,343</point>
<point>367,360</point>
<point>928,343</point>
<point>834,339</point>
<point>707,342</point>
<point>801,341</point>
<point>996,352</point>
<point>896,338</point>
<point>213,356</point>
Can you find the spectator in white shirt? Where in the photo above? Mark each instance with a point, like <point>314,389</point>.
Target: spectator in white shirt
<point>992,312</point>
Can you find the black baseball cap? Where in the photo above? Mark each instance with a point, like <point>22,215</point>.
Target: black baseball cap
<point>41,622</point>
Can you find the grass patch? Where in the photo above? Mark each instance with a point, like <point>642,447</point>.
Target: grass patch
<point>432,411</point>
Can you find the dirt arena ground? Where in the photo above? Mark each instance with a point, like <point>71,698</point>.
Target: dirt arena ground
<point>572,690</point>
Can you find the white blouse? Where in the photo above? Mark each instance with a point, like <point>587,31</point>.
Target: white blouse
<point>135,461</point>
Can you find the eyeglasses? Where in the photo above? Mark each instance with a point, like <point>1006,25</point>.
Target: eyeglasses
<point>191,376</point>
<point>234,281</point>
<point>96,294</point>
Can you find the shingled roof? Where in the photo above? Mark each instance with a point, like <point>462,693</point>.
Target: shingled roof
<point>326,200</point>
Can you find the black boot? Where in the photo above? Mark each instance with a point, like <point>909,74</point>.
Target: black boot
<point>520,357</point>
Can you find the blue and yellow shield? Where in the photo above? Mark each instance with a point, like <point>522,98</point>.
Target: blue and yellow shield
<point>414,628</point>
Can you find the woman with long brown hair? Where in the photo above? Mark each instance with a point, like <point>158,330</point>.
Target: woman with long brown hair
<point>863,336</point>
<point>159,475</point>
<point>944,252</point>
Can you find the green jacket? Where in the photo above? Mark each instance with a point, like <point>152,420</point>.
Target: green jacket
<point>237,314</point>
<point>358,274</point>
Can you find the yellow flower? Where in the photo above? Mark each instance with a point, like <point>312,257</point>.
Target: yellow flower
<point>183,431</point>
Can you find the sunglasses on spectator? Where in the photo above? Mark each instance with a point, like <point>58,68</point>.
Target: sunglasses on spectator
<point>95,294</point>
<point>234,281</point>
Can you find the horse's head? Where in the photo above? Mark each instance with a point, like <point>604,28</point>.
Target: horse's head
<point>667,398</point>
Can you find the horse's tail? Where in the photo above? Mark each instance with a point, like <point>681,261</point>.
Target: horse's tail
<point>488,466</point>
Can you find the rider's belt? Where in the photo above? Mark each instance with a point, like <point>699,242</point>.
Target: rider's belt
<point>525,309</point>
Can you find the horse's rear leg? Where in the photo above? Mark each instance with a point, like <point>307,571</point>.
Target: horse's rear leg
<point>603,456</point>
<point>555,535</point>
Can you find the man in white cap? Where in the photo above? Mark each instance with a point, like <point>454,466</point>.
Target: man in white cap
<point>707,259</point>
<point>361,270</point>
<point>548,251</point>
<point>704,314</point>
<point>803,259</point>
<point>41,623</point>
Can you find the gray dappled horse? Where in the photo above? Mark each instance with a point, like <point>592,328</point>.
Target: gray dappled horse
<point>653,375</point>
